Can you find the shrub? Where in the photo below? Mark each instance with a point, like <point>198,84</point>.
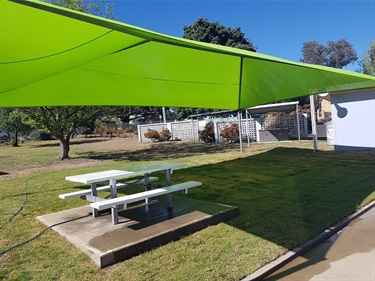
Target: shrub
<point>128,130</point>
<point>110,132</point>
<point>99,131</point>
<point>35,135</point>
<point>231,133</point>
<point>165,134</point>
<point>208,133</point>
<point>152,134</point>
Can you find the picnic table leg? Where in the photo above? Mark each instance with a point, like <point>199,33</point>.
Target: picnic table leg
<point>114,214</point>
<point>112,183</point>
<point>94,192</point>
<point>168,183</point>
<point>146,180</point>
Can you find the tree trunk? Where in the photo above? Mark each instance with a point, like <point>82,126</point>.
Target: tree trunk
<point>64,148</point>
<point>15,141</point>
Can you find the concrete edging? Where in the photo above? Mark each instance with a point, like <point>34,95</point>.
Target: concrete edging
<point>279,262</point>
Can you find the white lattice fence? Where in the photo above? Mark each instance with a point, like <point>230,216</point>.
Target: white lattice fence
<point>189,131</point>
<point>142,129</point>
<point>185,130</point>
<point>286,122</point>
<point>247,125</point>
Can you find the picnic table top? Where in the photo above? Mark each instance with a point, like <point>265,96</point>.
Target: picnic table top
<point>121,174</point>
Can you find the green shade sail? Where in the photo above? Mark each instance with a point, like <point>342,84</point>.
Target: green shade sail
<point>51,56</point>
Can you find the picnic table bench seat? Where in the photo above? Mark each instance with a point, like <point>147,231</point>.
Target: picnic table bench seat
<point>124,200</point>
<point>119,185</point>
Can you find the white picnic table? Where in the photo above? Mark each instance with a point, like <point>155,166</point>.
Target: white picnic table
<point>112,176</point>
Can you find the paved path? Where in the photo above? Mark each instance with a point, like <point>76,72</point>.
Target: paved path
<point>349,255</point>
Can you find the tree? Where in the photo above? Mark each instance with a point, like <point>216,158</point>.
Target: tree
<point>334,54</point>
<point>182,113</point>
<point>213,32</point>
<point>62,122</point>
<point>13,120</point>
<point>148,113</point>
<point>98,8</point>
<point>368,60</point>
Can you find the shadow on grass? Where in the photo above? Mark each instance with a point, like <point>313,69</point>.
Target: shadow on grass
<point>287,195</point>
<point>160,151</point>
<point>72,142</point>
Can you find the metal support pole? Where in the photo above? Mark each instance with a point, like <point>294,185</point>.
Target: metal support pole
<point>240,129</point>
<point>168,183</point>
<point>216,131</point>
<point>94,192</point>
<point>112,184</point>
<point>313,122</point>
<point>192,129</point>
<point>164,116</point>
<point>298,125</point>
<point>248,116</point>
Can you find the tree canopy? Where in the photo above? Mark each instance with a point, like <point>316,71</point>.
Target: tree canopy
<point>13,120</point>
<point>62,122</point>
<point>212,32</point>
<point>334,54</point>
<point>98,8</point>
<point>368,60</point>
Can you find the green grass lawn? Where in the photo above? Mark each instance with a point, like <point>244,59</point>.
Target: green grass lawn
<point>285,192</point>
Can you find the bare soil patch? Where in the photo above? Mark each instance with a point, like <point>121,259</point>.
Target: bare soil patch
<point>81,146</point>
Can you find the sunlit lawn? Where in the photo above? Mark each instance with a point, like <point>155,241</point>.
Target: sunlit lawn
<point>286,194</point>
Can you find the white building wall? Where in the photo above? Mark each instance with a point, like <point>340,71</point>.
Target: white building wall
<point>353,120</point>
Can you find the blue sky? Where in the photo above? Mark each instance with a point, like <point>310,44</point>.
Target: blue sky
<point>276,28</point>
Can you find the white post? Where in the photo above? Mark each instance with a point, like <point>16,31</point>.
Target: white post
<point>216,131</point>
<point>248,116</point>
<point>240,128</point>
<point>192,129</point>
<point>313,122</point>
<point>164,116</point>
<point>298,126</point>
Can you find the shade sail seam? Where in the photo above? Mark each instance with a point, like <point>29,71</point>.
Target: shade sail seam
<point>59,53</point>
<point>257,93</point>
<point>240,83</point>
<point>132,46</point>
<point>157,79</point>
<point>326,77</point>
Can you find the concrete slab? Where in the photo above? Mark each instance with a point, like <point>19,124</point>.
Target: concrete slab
<point>140,228</point>
<point>345,251</point>
<point>347,255</point>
